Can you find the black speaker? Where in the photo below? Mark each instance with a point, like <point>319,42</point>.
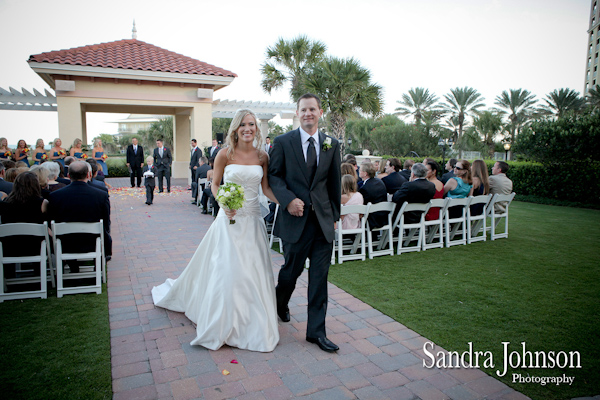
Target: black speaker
<point>220,137</point>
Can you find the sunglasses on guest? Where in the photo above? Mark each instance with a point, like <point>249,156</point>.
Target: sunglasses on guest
<point>458,168</point>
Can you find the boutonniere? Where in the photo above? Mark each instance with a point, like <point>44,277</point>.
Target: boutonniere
<point>326,144</point>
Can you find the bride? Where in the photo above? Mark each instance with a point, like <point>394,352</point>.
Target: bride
<point>227,289</point>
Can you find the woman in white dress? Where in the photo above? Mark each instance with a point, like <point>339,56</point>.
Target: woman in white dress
<point>228,289</point>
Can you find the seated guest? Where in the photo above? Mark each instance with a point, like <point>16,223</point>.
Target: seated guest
<point>350,196</point>
<point>450,168</point>
<point>8,164</point>
<point>406,171</point>
<point>11,175</point>
<point>373,191</point>
<point>21,164</point>
<point>53,169</point>
<point>381,170</point>
<point>5,186</point>
<point>80,202</point>
<point>93,166</point>
<point>418,190</point>
<point>63,177</point>
<point>394,180</point>
<point>459,186</point>
<point>348,169</point>
<point>207,193</point>
<point>500,184</point>
<point>432,172</point>
<point>481,184</point>
<point>42,175</point>
<point>199,173</point>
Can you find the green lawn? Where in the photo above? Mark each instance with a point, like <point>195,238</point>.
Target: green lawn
<point>56,348</point>
<point>540,286</point>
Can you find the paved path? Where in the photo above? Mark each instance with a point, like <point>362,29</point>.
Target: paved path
<point>379,358</point>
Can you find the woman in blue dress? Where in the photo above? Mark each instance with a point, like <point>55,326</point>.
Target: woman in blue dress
<point>459,186</point>
<point>22,152</point>
<point>98,153</point>
<point>5,152</point>
<point>39,154</point>
<point>57,153</point>
<point>76,150</point>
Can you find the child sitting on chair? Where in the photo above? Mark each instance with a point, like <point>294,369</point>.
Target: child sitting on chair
<point>149,181</point>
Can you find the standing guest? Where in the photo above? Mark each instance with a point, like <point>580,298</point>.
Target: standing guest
<point>500,184</point>
<point>194,159</point>
<point>57,153</point>
<point>305,177</point>
<point>5,186</point>
<point>53,169</point>
<point>394,179</point>
<point>406,171</point>
<point>76,150</point>
<point>80,202</point>
<point>162,161</point>
<point>418,190</point>
<point>481,184</point>
<point>459,186</point>
<point>212,153</point>
<point>135,162</point>
<point>5,152</point>
<point>99,156</point>
<point>432,171</point>
<point>39,154</point>
<point>450,168</point>
<point>268,145</point>
<point>149,181</point>
<point>350,196</point>
<point>373,191</point>
<point>22,152</point>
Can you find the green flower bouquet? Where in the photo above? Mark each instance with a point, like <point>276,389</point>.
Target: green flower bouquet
<point>231,196</point>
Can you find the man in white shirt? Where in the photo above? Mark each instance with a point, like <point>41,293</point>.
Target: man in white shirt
<point>500,184</point>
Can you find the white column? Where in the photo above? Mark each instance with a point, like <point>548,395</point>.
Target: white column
<point>264,128</point>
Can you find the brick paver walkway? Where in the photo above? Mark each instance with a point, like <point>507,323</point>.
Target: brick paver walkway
<point>379,358</point>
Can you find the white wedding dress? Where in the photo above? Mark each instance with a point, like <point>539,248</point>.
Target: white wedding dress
<point>227,289</point>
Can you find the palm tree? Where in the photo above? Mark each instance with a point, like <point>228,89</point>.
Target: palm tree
<point>344,87</point>
<point>290,61</point>
<point>416,102</point>
<point>562,101</point>
<point>593,97</point>
<point>487,125</point>
<point>463,102</point>
<point>518,104</point>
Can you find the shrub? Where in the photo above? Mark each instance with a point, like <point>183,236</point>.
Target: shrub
<point>117,167</point>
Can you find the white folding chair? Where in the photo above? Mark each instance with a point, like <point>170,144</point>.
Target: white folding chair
<point>406,231</point>
<point>434,229</point>
<point>476,223</point>
<point>356,242</point>
<point>272,236</point>
<point>458,224</point>
<point>495,216</point>
<point>386,238</point>
<point>97,271</point>
<point>200,182</point>
<point>29,230</point>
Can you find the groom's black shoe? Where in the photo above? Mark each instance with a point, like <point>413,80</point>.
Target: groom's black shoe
<point>284,314</point>
<point>323,343</point>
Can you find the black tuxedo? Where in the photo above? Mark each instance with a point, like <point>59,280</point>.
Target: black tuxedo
<point>417,191</point>
<point>211,153</point>
<point>393,182</point>
<point>135,161</point>
<point>194,161</point>
<point>374,191</point>
<point>405,173</point>
<point>163,167</point>
<point>150,183</point>
<point>447,176</point>
<point>310,235</point>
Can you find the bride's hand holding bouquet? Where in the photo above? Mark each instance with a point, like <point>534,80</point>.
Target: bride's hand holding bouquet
<point>231,198</point>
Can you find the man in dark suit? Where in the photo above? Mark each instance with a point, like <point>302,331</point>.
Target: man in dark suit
<point>268,145</point>
<point>5,187</point>
<point>394,180</point>
<point>135,161</point>
<point>93,181</point>
<point>418,190</point>
<point>304,174</point>
<point>162,162</point>
<point>201,172</point>
<point>450,168</point>
<point>80,202</point>
<point>373,191</point>
<point>212,152</point>
<point>406,171</point>
<point>194,158</point>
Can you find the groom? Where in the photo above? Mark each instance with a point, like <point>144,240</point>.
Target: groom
<point>304,173</point>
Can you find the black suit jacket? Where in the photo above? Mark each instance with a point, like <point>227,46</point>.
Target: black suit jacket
<point>147,180</point>
<point>405,173</point>
<point>163,162</point>
<point>5,187</point>
<point>135,159</point>
<point>373,191</point>
<point>195,157</point>
<point>447,176</point>
<point>417,191</point>
<point>201,171</point>
<point>289,179</point>
<point>211,155</point>
<point>81,202</point>
<point>393,182</point>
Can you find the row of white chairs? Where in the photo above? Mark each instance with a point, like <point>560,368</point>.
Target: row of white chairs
<point>399,236</point>
<point>51,263</point>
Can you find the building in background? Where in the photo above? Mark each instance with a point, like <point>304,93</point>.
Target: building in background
<point>592,62</point>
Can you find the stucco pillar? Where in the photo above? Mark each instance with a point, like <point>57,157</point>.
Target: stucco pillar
<point>201,124</point>
<point>181,145</point>
<point>264,128</point>
<point>296,122</point>
<point>71,121</point>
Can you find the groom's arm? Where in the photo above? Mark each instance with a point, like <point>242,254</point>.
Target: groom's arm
<point>277,176</point>
<point>335,182</point>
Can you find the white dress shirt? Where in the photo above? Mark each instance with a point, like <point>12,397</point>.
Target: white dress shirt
<point>304,139</point>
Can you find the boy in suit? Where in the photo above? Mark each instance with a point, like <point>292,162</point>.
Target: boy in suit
<point>149,181</point>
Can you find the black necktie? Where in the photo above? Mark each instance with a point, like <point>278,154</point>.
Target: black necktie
<point>311,159</point>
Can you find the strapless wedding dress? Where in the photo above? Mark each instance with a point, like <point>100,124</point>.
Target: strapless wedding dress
<point>228,289</point>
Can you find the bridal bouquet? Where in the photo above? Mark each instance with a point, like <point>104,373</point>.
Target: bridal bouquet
<point>231,196</point>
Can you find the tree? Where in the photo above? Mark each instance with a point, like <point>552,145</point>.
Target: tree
<point>593,98</point>
<point>417,101</point>
<point>487,125</point>
<point>463,102</point>
<point>108,142</point>
<point>290,61</point>
<point>344,87</point>
<point>518,104</point>
<point>560,102</point>
<point>161,129</point>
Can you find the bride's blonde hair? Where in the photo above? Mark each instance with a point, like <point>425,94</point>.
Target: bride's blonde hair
<point>232,137</point>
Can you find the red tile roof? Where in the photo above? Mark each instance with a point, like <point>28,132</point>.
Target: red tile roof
<point>130,54</point>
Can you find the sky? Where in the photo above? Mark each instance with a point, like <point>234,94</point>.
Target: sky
<point>490,45</point>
